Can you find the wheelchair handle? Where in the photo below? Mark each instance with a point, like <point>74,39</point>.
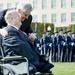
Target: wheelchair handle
<point>13,58</point>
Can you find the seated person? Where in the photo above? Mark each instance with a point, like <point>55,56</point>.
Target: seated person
<point>18,43</point>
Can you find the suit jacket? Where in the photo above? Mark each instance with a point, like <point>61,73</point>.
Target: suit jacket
<point>18,43</point>
<point>26,27</point>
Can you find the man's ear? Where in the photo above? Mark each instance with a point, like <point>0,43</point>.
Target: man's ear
<point>19,10</point>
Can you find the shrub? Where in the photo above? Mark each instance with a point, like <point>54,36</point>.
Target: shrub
<point>40,27</point>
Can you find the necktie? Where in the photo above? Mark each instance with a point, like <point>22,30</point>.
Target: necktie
<point>20,30</point>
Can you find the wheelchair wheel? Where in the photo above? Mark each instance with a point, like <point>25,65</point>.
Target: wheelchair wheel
<point>6,71</point>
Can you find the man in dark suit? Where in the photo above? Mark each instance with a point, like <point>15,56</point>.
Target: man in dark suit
<point>18,43</point>
<point>26,18</point>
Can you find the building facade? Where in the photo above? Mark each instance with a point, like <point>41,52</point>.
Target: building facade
<point>4,4</point>
<point>59,12</point>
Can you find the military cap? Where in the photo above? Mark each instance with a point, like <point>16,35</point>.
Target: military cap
<point>61,30</point>
<point>65,33</point>
<point>55,32</point>
<point>69,31</point>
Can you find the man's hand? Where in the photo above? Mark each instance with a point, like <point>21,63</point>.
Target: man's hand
<point>32,36</point>
<point>3,32</point>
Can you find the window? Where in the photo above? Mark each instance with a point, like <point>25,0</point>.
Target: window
<point>8,5</point>
<point>63,3</point>
<point>35,4</point>
<point>53,3</point>
<point>73,3</point>
<point>16,4</point>
<point>44,4</point>
<point>53,18</point>
<point>1,7</point>
<point>35,18</point>
<point>63,17</point>
<point>44,18</point>
<point>73,17</point>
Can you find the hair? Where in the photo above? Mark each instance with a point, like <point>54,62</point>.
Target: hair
<point>9,14</point>
<point>24,5</point>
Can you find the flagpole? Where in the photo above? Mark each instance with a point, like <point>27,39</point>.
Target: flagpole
<point>44,27</point>
<point>35,27</point>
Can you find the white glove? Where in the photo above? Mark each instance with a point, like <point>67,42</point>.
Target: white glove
<point>72,44</point>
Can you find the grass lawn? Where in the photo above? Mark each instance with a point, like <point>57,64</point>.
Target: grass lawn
<point>63,68</point>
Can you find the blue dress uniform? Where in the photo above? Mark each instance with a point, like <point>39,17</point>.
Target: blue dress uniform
<point>49,47</point>
<point>73,46</point>
<point>69,41</point>
<point>43,44</point>
<point>45,41</point>
<point>37,43</point>
<point>64,47</point>
<point>54,46</point>
<point>60,47</point>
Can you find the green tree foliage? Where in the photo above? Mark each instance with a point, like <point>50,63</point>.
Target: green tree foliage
<point>40,27</point>
<point>70,27</point>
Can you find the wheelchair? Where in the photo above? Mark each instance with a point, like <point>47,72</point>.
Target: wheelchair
<point>15,69</point>
<point>12,69</point>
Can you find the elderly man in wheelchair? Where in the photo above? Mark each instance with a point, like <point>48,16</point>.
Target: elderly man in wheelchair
<point>18,51</point>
